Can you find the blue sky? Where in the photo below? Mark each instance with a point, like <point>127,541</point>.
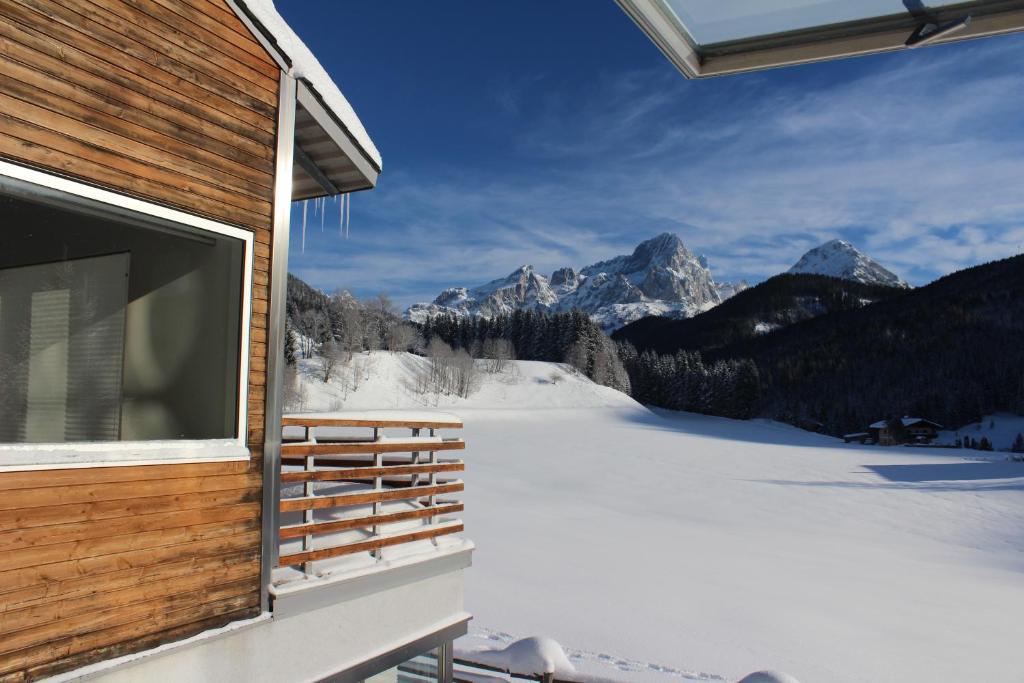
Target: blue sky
<point>554,133</point>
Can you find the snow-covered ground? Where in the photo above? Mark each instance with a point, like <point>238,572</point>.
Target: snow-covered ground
<point>1000,429</point>
<point>661,546</point>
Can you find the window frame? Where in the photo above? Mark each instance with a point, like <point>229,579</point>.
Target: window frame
<point>43,456</point>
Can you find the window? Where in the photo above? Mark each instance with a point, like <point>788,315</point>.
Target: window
<point>117,326</point>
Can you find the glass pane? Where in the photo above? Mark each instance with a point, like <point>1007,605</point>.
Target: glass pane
<point>114,328</point>
<point>63,340</point>
<point>421,669</point>
<point>714,21</point>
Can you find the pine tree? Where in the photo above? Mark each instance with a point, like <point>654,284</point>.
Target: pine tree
<point>289,342</point>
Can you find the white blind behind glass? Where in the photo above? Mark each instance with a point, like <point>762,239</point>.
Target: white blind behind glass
<point>62,350</point>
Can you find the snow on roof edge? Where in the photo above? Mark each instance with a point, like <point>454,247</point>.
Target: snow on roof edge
<point>305,65</point>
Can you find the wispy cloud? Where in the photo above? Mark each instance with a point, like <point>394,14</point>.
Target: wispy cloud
<point>918,158</point>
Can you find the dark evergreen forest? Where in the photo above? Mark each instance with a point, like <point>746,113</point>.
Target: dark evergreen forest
<point>950,351</point>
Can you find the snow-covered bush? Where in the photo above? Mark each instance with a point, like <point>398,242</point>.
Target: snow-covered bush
<point>529,656</point>
<point>768,677</point>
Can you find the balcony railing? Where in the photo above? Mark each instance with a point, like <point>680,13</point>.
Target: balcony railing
<point>349,491</point>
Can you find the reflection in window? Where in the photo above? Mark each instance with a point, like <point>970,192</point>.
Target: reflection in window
<point>114,328</point>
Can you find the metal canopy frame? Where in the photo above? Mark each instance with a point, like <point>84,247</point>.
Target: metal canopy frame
<point>328,160</point>
<point>834,41</point>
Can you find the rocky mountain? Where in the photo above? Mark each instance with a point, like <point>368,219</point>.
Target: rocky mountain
<point>839,258</point>
<point>661,277</point>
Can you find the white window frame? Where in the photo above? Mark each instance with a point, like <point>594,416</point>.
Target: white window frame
<point>22,457</point>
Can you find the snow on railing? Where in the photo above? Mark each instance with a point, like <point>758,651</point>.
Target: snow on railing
<point>346,494</point>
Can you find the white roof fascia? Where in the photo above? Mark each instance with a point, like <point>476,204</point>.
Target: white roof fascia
<point>317,109</point>
<point>296,59</point>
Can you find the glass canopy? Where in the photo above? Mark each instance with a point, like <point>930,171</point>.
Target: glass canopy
<point>713,21</point>
<point>714,37</point>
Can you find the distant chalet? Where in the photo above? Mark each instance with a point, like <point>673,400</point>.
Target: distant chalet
<point>894,433</point>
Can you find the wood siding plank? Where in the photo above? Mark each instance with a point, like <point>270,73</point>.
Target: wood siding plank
<point>75,84</point>
<point>163,64</point>
<point>40,537</point>
<point>110,509</point>
<point>61,571</point>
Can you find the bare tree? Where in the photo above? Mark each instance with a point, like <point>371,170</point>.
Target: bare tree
<point>447,372</point>
<point>295,395</point>
<point>314,326</point>
<point>329,358</point>
<point>400,337</point>
<point>463,375</point>
<point>353,327</point>
<point>498,353</point>
<point>382,316</point>
<point>576,357</point>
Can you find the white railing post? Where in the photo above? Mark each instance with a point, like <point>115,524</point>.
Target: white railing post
<point>414,480</point>
<point>308,490</point>
<point>378,485</point>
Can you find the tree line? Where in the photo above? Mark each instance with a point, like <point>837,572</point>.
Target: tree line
<point>683,381</point>
<point>570,337</point>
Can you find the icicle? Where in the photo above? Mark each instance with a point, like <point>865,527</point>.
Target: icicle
<point>305,205</point>
<point>348,214</point>
<point>341,215</point>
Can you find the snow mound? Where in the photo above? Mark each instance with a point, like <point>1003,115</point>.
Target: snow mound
<point>535,655</point>
<point>768,677</point>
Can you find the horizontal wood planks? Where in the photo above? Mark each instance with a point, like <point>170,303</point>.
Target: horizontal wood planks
<point>368,472</point>
<point>369,447</point>
<point>174,102</point>
<point>383,422</point>
<point>372,544</point>
<point>299,530</point>
<point>365,497</point>
<point>109,554</point>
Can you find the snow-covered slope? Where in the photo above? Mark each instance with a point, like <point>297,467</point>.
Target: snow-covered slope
<point>385,380</point>
<point>668,547</point>
<point>1000,429</point>
<point>660,277</point>
<point>839,258</point>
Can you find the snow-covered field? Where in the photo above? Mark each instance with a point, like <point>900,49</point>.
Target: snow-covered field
<point>666,546</point>
<point>1000,429</point>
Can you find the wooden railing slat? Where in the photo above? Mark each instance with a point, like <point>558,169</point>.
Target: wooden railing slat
<point>369,447</point>
<point>382,423</point>
<point>369,472</point>
<point>371,544</point>
<point>299,530</point>
<point>364,497</point>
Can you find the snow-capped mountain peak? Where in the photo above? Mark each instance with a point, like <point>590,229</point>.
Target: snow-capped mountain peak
<point>660,277</point>
<point>839,258</point>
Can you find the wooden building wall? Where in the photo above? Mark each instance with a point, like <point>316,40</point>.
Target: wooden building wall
<point>172,101</point>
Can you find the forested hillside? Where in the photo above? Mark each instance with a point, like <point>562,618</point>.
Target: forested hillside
<point>777,302</point>
<point>951,351</point>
